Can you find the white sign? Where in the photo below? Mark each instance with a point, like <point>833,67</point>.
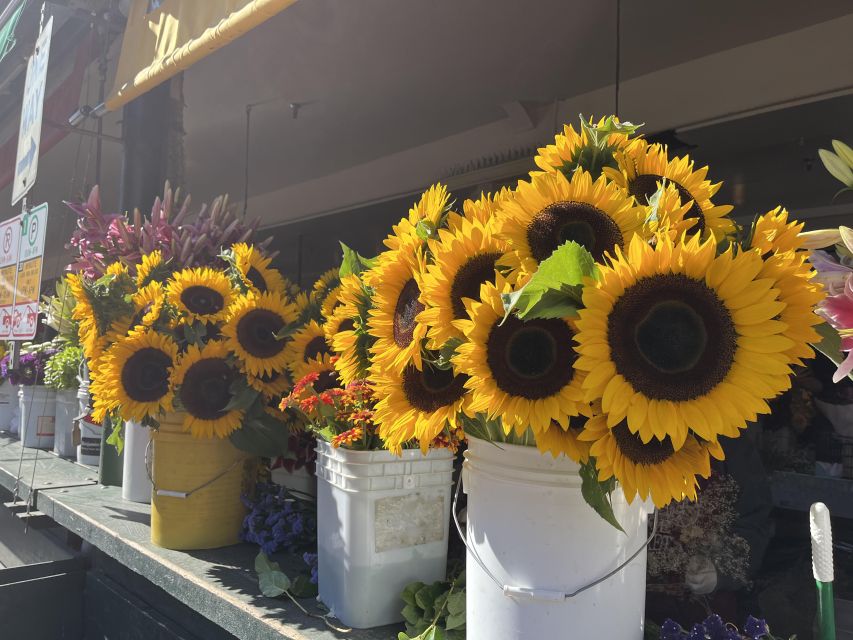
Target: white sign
<point>21,261</point>
<point>29,135</point>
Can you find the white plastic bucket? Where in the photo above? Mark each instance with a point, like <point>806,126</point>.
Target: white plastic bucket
<point>38,415</point>
<point>530,526</point>
<point>89,449</point>
<point>382,522</point>
<point>299,480</point>
<point>8,404</point>
<point>66,412</point>
<point>135,485</point>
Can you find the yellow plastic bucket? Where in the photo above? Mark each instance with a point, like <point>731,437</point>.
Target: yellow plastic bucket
<point>196,501</point>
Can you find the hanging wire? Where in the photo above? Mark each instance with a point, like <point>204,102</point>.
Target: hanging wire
<point>618,57</point>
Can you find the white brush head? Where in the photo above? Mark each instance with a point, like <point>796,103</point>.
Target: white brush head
<point>821,531</point>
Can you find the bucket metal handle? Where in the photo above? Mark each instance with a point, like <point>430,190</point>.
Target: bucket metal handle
<point>181,494</point>
<point>543,595</point>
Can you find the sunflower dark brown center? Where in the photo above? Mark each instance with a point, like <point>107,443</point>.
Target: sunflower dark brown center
<point>346,325</point>
<point>206,389</point>
<point>202,301</point>
<point>145,375</point>
<point>256,332</point>
<point>645,185</point>
<point>432,388</point>
<point>671,337</point>
<point>316,347</point>
<point>326,381</point>
<point>466,283</point>
<point>257,279</point>
<point>632,447</point>
<point>531,359</point>
<point>407,308</point>
<point>568,220</point>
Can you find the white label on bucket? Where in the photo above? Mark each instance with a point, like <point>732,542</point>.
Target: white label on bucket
<point>408,521</point>
<point>44,426</point>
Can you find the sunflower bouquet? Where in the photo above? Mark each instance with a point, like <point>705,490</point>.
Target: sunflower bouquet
<point>209,342</point>
<point>606,309</point>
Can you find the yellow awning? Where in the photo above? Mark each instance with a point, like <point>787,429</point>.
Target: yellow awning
<point>179,33</point>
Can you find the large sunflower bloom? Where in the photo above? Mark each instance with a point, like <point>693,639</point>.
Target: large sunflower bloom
<point>551,209</point>
<point>463,259</point>
<point>676,339</point>
<point>773,232</point>
<point>252,328</point>
<point>134,375</point>
<point>417,404</point>
<point>147,305</point>
<point>519,371</point>
<point>151,268</point>
<point>655,468</point>
<point>644,166</point>
<point>558,440</point>
<point>481,210</point>
<point>203,379</point>
<point>90,334</point>
<point>396,283</point>
<point>308,343</point>
<point>255,271</point>
<point>200,294</point>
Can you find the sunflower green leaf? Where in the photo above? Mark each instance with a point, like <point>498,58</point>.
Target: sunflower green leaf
<point>272,581</point>
<point>353,263</point>
<point>597,493</point>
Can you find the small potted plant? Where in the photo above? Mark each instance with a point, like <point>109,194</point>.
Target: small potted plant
<point>61,373</point>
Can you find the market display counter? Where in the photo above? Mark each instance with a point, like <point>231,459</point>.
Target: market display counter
<point>218,584</point>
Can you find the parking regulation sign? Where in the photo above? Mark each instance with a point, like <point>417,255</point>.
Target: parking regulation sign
<point>29,135</point>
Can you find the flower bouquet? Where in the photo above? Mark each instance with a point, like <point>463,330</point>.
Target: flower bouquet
<point>606,313</point>
<point>382,521</point>
<point>194,349</point>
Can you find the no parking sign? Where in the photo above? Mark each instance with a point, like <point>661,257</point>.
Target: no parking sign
<point>21,261</point>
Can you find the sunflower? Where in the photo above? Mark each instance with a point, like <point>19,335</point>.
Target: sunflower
<point>520,371</point>
<point>669,214</point>
<point>331,302</point>
<point>418,404</point>
<point>482,210</point>
<point>203,380</point>
<point>251,331</point>
<point>134,375</point>
<point>328,377</point>
<point>116,269</point>
<point>772,232</point>
<point>675,339</point>
<point>324,286</point>
<point>655,468</point>
<point>148,305</point>
<point>309,343</point>
<point>346,331</point>
<point>396,284</point>
<point>89,333</point>
<point>572,150</point>
<point>463,259</point>
<point>643,166</point>
<point>558,440</point>
<point>430,209</point>
<point>151,268</point>
<point>272,385</point>
<point>255,271</point>
<point>552,209</point>
<point>200,293</point>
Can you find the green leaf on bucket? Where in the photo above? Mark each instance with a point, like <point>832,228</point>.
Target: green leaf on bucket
<point>597,493</point>
<point>115,438</point>
<point>271,579</point>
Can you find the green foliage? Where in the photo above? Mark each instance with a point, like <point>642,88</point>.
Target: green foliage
<point>116,437</point>
<point>58,309</point>
<point>353,263</point>
<point>262,434</point>
<point>555,289</point>
<point>830,345</point>
<point>62,369</point>
<point>271,579</point>
<point>597,493</point>
<point>434,611</point>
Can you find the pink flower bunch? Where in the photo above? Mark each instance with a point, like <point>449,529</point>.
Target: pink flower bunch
<point>103,238</point>
<point>836,273</point>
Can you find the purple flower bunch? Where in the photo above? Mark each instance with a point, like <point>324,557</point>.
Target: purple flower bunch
<point>311,560</point>
<point>713,628</point>
<point>278,521</point>
<point>30,369</point>
<point>103,238</point>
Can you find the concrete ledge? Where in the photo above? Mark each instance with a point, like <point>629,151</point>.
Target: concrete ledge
<point>219,584</point>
